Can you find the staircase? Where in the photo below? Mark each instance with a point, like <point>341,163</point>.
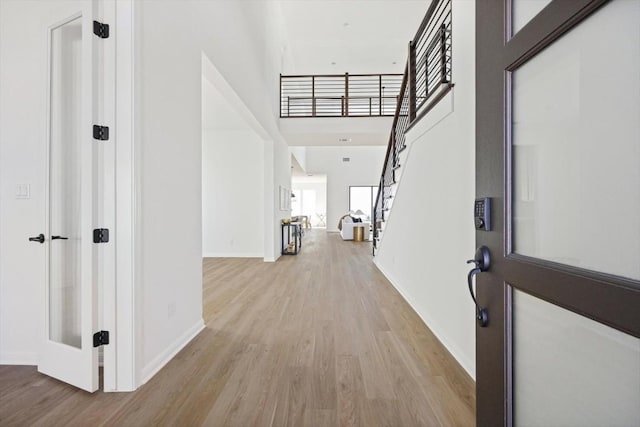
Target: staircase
<point>386,195</point>
<point>392,167</point>
<point>427,78</point>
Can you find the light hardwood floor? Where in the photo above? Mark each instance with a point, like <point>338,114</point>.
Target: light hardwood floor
<point>317,339</point>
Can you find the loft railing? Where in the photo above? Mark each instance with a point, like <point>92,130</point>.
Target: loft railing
<point>427,78</point>
<point>339,95</point>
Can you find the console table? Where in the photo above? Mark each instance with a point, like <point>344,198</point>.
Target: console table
<point>291,238</point>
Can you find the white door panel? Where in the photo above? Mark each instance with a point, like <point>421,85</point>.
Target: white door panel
<point>67,351</point>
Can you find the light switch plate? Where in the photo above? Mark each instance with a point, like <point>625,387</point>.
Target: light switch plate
<point>23,191</point>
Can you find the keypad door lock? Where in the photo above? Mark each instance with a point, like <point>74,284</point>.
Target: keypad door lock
<point>482,214</point>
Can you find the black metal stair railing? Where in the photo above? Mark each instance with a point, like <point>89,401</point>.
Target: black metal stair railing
<point>426,79</point>
<point>391,160</point>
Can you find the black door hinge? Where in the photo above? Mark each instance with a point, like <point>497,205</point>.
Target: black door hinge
<point>100,338</point>
<point>101,235</point>
<point>101,30</point>
<point>101,133</point>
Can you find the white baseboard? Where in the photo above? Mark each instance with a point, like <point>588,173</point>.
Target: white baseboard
<point>454,350</point>
<point>165,357</point>
<point>232,255</point>
<point>30,359</point>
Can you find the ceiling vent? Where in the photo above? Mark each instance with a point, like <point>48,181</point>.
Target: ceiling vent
<point>346,159</point>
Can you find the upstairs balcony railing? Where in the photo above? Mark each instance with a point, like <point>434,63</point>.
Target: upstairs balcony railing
<point>426,80</point>
<point>339,95</point>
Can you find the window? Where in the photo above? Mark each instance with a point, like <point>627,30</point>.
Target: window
<point>362,197</point>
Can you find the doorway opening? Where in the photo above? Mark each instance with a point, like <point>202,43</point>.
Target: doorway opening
<point>233,163</point>
<point>309,199</point>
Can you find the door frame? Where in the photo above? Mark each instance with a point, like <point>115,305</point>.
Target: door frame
<point>122,307</point>
<point>106,219</point>
<point>121,304</point>
<point>605,298</point>
<point>125,317</point>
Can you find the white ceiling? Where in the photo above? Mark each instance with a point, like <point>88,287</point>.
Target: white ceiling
<point>336,131</point>
<point>361,37</point>
<point>308,179</point>
<point>376,34</point>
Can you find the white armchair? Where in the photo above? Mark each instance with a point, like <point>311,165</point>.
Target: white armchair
<point>347,229</point>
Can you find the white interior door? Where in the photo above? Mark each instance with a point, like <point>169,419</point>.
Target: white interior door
<point>67,352</point>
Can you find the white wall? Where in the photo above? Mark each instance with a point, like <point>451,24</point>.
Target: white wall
<point>267,29</point>
<point>169,129</point>
<point>363,168</point>
<point>300,153</point>
<point>233,35</point>
<point>232,179</point>
<point>277,173</point>
<point>232,194</point>
<point>430,233</point>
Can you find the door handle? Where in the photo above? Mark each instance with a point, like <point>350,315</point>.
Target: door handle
<point>59,238</point>
<point>38,238</point>
<point>482,261</point>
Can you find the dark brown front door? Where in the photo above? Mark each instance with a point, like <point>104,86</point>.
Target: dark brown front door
<point>558,154</point>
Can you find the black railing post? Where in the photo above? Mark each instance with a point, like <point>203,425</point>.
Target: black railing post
<point>394,150</point>
<point>346,94</point>
<point>434,31</point>
<point>313,96</point>
<point>380,93</point>
<point>411,81</point>
<point>375,231</point>
<point>443,54</point>
<point>281,96</point>
<point>302,88</point>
